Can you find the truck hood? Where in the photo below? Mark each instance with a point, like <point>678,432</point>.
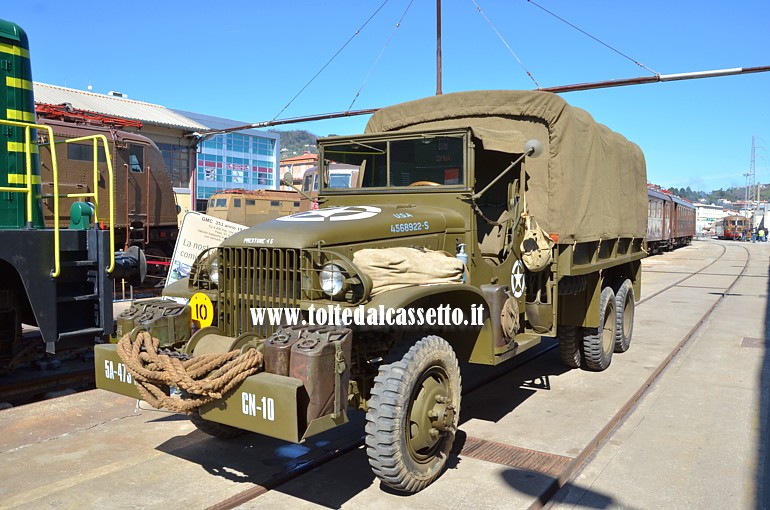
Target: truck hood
<point>346,224</point>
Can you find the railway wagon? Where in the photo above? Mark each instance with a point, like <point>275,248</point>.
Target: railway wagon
<point>493,204</point>
<point>670,221</point>
<point>54,278</point>
<point>734,227</point>
<point>145,209</point>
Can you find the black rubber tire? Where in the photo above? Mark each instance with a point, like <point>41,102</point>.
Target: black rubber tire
<point>624,316</point>
<point>599,343</point>
<point>214,429</point>
<point>570,345</point>
<point>402,452</point>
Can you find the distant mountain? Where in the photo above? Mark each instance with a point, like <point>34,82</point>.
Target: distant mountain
<point>296,142</point>
<point>731,194</point>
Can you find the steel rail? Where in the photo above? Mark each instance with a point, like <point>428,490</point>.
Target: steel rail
<point>577,465</point>
<point>664,289</point>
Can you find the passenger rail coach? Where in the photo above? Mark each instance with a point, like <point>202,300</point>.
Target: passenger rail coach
<point>670,221</point>
<point>733,227</point>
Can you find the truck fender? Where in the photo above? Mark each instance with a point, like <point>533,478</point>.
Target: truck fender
<point>464,297</point>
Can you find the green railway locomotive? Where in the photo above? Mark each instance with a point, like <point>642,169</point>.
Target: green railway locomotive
<point>57,279</point>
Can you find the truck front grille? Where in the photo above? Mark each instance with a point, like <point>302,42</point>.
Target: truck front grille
<point>256,278</point>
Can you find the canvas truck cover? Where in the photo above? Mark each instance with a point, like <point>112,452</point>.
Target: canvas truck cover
<point>589,184</point>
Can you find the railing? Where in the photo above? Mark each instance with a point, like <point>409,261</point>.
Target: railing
<point>28,185</point>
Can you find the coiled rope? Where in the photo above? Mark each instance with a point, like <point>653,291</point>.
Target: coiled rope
<point>202,379</point>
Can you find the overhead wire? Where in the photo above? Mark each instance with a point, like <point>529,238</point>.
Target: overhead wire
<point>331,59</point>
<point>506,45</point>
<point>594,38</point>
<point>377,60</point>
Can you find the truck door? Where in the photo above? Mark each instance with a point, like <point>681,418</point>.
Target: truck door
<point>497,207</point>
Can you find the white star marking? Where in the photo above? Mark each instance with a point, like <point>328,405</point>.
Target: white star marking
<point>517,279</point>
<point>346,213</point>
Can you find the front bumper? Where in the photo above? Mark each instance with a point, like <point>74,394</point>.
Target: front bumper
<point>268,404</point>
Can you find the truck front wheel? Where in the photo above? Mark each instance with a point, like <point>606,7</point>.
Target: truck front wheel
<point>215,429</point>
<point>413,415</point>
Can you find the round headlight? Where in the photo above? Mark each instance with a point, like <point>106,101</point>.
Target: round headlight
<point>214,268</point>
<point>332,279</point>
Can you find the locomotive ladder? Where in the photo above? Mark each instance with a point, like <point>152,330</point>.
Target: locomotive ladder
<point>28,189</point>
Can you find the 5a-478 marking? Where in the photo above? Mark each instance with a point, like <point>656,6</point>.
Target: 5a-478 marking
<point>121,374</point>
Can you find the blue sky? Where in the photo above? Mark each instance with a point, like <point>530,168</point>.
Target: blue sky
<point>246,60</point>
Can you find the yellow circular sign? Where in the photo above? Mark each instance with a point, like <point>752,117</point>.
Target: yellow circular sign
<point>202,310</point>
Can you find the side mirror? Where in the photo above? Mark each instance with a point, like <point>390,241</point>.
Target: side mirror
<point>288,180</point>
<point>533,148</point>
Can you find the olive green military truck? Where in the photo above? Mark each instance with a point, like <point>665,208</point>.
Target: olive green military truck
<point>479,223</point>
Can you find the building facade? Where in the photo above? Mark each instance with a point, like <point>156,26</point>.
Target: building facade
<point>298,165</point>
<point>247,159</point>
<point>706,216</point>
<point>244,159</point>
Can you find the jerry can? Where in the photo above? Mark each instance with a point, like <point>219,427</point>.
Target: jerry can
<point>321,360</point>
<point>166,320</point>
<point>278,350</point>
<point>125,321</point>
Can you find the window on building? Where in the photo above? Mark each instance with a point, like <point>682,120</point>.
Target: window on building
<point>177,159</point>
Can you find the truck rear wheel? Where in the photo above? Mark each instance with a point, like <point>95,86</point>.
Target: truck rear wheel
<point>413,415</point>
<point>624,316</point>
<point>214,429</point>
<point>599,343</point>
<point>569,346</point>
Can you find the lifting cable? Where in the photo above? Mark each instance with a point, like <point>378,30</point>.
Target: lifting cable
<point>594,38</point>
<point>331,59</point>
<point>506,44</point>
<point>398,25</point>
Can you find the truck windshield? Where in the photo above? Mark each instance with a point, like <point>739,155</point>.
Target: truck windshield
<point>425,161</point>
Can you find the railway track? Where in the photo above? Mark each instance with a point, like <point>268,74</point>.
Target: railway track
<point>561,469</point>
<point>39,376</point>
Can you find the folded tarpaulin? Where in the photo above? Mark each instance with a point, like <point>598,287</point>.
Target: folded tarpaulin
<point>394,268</point>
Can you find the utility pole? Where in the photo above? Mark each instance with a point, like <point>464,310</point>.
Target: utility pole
<point>746,194</point>
<point>753,164</point>
<point>438,48</point>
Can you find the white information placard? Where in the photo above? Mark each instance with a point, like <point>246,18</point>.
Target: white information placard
<point>197,233</point>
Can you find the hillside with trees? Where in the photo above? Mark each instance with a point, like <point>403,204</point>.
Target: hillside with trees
<point>296,142</point>
<point>731,194</point>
